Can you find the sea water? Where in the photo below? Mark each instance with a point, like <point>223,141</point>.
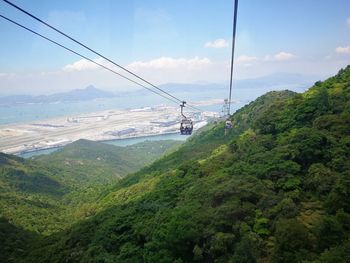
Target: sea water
<point>120,142</point>
<point>36,111</point>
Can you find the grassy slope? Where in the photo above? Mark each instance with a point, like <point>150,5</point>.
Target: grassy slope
<point>48,193</point>
<point>275,189</point>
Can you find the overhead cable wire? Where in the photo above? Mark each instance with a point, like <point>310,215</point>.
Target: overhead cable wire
<point>95,52</point>
<point>233,52</point>
<point>87,58</point>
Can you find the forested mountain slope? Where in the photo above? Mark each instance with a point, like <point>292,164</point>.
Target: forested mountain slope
<point>99,163</point>
<point>49,193</point>
<point>276,188</point>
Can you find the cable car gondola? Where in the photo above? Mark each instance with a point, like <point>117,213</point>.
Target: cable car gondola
<point>226,114</point>
<point>186,126</point>
<point>228,125</point>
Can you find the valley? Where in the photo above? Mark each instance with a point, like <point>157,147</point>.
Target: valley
<point>48,193</point>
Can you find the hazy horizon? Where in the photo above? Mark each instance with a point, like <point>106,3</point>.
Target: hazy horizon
<point>282,76</point>
<point>166,43</point>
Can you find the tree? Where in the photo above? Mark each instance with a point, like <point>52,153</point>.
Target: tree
<point>292,240</point>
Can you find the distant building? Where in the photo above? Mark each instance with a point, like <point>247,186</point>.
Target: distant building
<point>165,123</point>
<point>122,132</point>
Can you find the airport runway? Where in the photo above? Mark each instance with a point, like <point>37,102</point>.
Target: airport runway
<point>97,126</point>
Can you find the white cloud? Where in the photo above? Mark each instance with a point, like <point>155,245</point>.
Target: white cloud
<point>343,50</point>
<point>162,63</point>
<point>82,73</point>
<point>83,64</point>
<point>170,63</point>
<point>180,70</point>
<point>348,22</point>
<point>218,43</point>
<point>162,70</point>
<point>246,59</point>
<point>281,56</point>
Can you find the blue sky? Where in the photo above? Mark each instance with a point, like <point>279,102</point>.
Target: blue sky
<point>174,41</point>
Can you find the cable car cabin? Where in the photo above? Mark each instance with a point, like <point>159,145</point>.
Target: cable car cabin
<point>186,127</point>
<point>228,125</point>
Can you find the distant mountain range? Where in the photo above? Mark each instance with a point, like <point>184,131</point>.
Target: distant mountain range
<point>89,93</point>
<point>286,80</point>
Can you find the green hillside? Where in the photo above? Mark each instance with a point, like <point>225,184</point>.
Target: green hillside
<point>49,193</point>
<point>98,163</point>
<point>276,188</point>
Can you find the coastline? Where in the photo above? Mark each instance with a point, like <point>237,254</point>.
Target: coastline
<point>122,142</point>
<point>103,126</point>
